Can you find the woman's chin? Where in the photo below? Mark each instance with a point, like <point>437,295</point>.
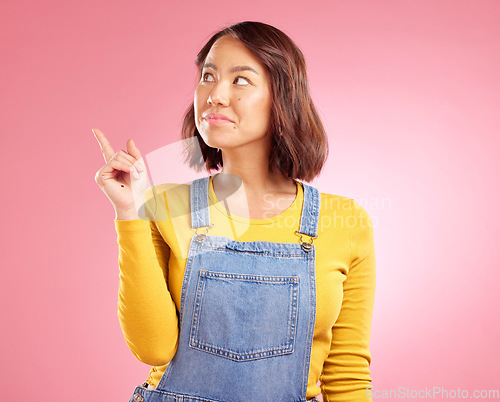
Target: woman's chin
<point>218,142</point>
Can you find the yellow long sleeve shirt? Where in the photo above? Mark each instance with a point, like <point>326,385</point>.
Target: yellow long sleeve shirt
<point>152,257</point>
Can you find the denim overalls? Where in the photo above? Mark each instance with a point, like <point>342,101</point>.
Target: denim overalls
<point>247,315</point>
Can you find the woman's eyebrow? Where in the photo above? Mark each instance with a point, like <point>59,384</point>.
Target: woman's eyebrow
<point>234,69</point>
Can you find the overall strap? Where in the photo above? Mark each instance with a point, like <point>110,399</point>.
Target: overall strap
<point>310,211</point>
<point>200,215</point>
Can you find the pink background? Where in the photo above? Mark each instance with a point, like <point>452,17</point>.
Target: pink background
<point>409,94</point>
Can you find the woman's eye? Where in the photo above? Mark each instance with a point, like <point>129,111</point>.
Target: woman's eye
<point>205,75</point>
<point>240,79</point>
<point>243,78</point>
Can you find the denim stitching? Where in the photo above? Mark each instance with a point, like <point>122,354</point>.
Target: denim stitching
<point>308,225</point>
<point>292,323</point>
<point>265,254</point>
<point>200,215</point>
<point>143,391</point>
<point>185,281</point>
<point>249,277</point>
<point>286,348</point>
<point>312,320</point>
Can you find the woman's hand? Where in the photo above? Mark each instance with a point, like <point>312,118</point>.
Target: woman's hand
<point>123,178</point>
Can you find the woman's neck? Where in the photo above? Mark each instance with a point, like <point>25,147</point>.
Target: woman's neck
<point>253,181</point>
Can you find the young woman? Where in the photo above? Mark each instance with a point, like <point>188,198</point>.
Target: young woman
<point>245,285</point>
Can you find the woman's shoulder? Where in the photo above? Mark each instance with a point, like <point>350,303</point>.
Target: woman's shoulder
<point>344,212</point>
<point>166,199</point>
<point>335,202</point>
<point>171,188</point>
<point>168,189</point>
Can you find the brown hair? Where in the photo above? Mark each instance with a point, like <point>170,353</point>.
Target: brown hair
<point>299,141</point>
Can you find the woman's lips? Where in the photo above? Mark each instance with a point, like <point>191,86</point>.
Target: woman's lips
<point>218,122</point>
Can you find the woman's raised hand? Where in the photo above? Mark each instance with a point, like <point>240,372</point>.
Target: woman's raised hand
<point>123,178</point>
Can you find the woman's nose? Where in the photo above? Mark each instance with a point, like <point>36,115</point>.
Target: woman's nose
<point>219,95</point>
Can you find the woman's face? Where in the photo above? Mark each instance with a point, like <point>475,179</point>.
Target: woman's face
<point>233,83</point>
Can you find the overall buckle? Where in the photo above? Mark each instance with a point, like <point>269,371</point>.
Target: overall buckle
<point>201,237</point>
<point>305,246</point>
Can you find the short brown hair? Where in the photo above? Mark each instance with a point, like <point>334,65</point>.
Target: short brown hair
<point>299,141</point>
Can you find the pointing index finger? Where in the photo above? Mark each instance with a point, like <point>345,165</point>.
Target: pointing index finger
<point>106,148</point>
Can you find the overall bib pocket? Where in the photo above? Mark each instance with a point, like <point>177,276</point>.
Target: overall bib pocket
<point>244,317</point>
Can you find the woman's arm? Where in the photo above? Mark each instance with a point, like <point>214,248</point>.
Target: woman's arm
<point>346,372</point>
<point>146,311</point>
